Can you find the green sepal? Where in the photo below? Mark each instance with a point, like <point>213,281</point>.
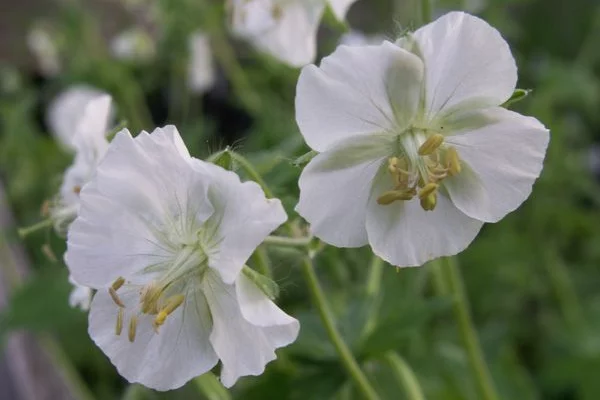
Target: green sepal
<point>266,285</point>
<point>518,95</point>
<point>223,159</point>
<point>304,159</point>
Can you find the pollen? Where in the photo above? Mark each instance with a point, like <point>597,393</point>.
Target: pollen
<point>119,324</point>
<point>430,145</point>
<point>115,297</point>
<point>132,329</point>
<point>172,304</point>
<point>453,161</point>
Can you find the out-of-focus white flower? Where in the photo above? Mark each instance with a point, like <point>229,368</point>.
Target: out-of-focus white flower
<point>285,29</point>
<point>80,297</point>
<point>357,38</point>
<point>133,45</point>
<point>67,110</point>
<point>90,144</point>
<point>164,238</point>
<point>43,46</point>
<point>201,71</point>
<point>416,152</point>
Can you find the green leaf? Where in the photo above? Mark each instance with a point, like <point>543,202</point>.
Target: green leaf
<point>518,95</point>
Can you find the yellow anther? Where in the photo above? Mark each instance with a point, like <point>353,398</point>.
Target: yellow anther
<point>172,304</point>
<point>453,161</point>
<point>118,283</point>
<point>149,297</point>
<point>427,190</point>
<point>393,195</point>
<point>115,297</point>
<point>431,144</point>
<point>428,203</point>
<point>132,328</point>
<point>76,189</point>
<point>119,326</point>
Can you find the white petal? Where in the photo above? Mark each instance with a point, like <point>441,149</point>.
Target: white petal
<point>66,110</point>
<point>287,31</point>
<point>180,351</point>
<point>504,158</point>
<point>201,72</point>
<point>244,346</point>
<point>144,190</point>
<point>468,63</point>
<point>335,188</point>
<point>81,296</point>
<point>340,7</point>
<point>357,91</point>
<point>405,235</point>
<point>242,219</point>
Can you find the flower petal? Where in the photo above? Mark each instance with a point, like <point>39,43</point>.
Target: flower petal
<point>340,7</point>
<point>242,219</point>
<point>180,351</point>
<point>504,159</point>
<point>143,189</point>
<point>243,346</point>
<point>357,90</point>
<point>467,63</point>
<point>405,235</point>
<point>287,30</point>
<point>335,188</point>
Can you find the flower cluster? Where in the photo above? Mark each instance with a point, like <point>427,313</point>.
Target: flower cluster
<point>416,153</point>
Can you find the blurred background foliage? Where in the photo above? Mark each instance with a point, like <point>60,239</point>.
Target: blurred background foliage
<point>532,279</point>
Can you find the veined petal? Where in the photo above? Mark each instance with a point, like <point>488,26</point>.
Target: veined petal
<point>340,7</point>
<point>357,90</point>
<point>243,346</point>
<point>405,235</point>
<point>180,351</point>
<point>504,159</point>
<point>144,192</point>
<point>243,218</point>
<point>468,64</point>
<point>335,188</point>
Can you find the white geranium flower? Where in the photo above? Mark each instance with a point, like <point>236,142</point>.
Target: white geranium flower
<point>163,237</point>
<point>89,141</point>
<point>201,70</point>
<point>67,111</point>
<point>416,152</point>
<point>285,29</point>
<point>134,44</point>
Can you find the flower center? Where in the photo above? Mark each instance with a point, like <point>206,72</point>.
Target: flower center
<point>164,294</point>
<point>423,162</point>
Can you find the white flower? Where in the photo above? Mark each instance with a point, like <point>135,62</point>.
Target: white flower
<point>89,141</point>
<point>201,70</point>
<point>67,110</point>
<point>134,44</point>
<point>285,29</point>
<point>80,296</point>
<point>416,152</point>
<point>163,237</point>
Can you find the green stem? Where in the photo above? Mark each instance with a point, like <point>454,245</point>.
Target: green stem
<point>375,272</point>
<point>287,241</point>
<point>136,392</point>
<point>263,264</point>
<point>23,232</point>
<point>405,375</point>
<point>468,334</point>
<point>347,359</point>
<point>254,175</point>
<point>425,11</point>
<point>211,388</point>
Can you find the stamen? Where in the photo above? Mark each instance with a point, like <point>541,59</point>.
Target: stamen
<point>428,190</point>
<point>149,298</point>
<point>393,195</point>
<point>431,144</point>
<point>428,203</point>
<point>118,283</point>
<point>172,304</point>
<point>453,161</point>
<point>132,328</point>
<point>119,326</point>
<point>76,189</point>
<point>115,297</point>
